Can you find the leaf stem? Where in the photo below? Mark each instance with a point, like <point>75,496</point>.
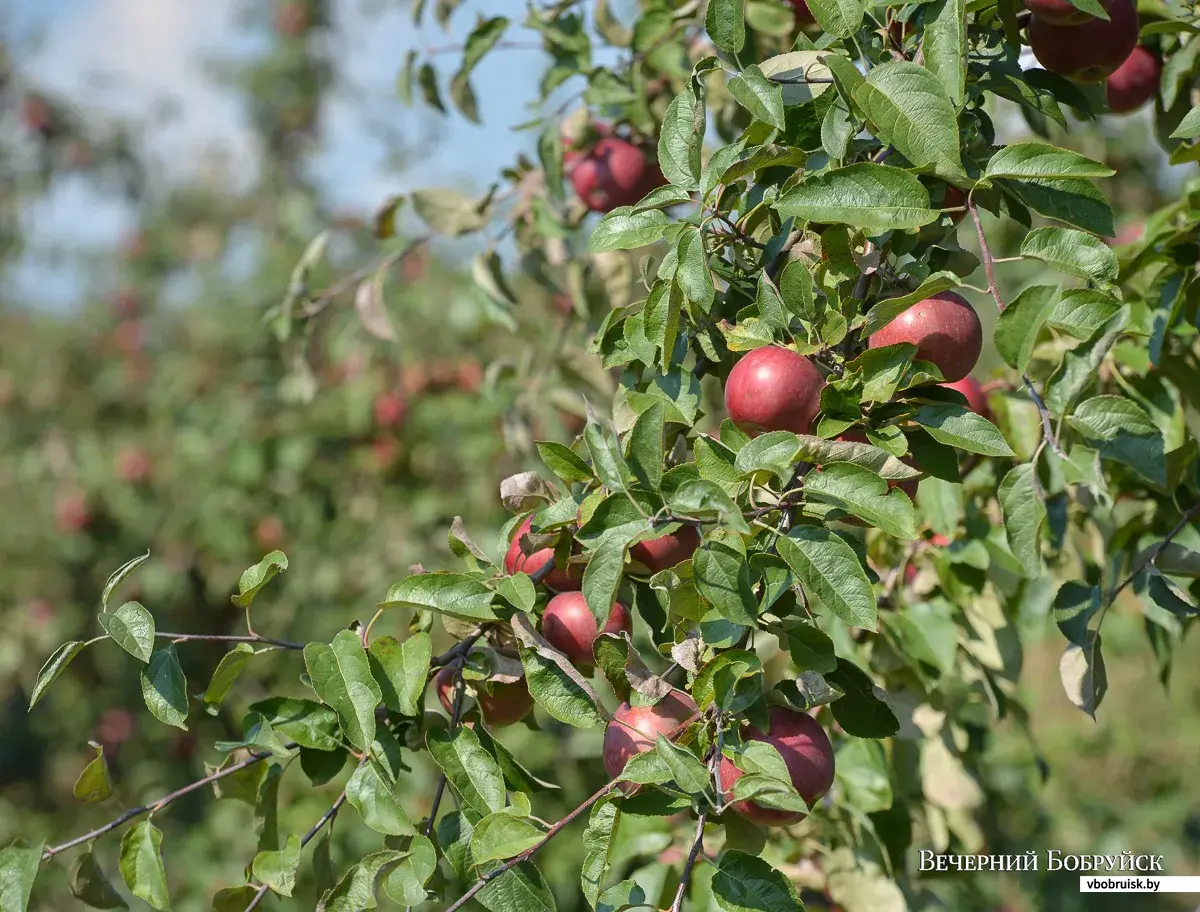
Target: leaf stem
<point>222,638</point>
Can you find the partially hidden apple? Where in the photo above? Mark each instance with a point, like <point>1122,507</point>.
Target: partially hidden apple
<point>570,627</point>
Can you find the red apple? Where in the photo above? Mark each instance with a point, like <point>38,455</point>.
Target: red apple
<point>384,451</point>
<point>570,627</point>
<point>953,198</point>
<point>126,304</point>
<point>291,18</point>
<point>269,533</point>
<point>938,540</point>
<point>516,561</point>
<point>37,116</point>
<point>390,409</point>
<point>773,389</point>
<point>1061,12</point>
<point>806,750</point>
<point>804,15</point>
<point>1135,81</point>
<point>470,376</point>
<point>128,337</point>
<point>614,172</point>
<point>132,465</point>
<point>114,728</point>
<point>1090,52</point>
<point>973,390</point>
<point>505,705</point>
<point>945,329</point>
<point>71,511</point>
<point>635,729</point>
<point>667,550</point>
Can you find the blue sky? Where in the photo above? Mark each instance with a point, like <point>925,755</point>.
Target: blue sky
<point>126,56</point>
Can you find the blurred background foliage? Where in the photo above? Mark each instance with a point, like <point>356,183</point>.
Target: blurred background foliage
<point>160,412</point>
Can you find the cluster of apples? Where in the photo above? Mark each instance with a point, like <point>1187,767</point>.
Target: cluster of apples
<point>1085,48</point>
<point>570,627</point>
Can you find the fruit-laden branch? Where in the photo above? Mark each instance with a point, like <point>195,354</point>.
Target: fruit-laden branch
<point>554,830</point>
<point>1150,558</point>
<point>223,638</point>
<point>989,266</point>
<point>158,805</point>
<point>326,819</point>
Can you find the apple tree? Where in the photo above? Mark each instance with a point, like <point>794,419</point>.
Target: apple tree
<point>779,569</point>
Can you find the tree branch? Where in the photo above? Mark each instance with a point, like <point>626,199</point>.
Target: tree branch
<point>1187,517</point>
<point>222,638</point>
<point>686,877</point>
<point>154,806</point>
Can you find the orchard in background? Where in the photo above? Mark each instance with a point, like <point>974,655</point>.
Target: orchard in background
<point>780,282</point>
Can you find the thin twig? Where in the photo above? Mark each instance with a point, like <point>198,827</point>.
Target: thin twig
<point>320,300</point>
<point>1187,517</point>
<point>222,638</point>
<point>1044,413</point>
<point>455,718</point>
<point>988,267</point>
<point>158,805</point>
<point>686,877</point>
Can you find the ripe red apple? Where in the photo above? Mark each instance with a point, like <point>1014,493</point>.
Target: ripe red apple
<point>505,705</point>
<point>773,389</point>
<point>938,540</point>
<point>635,729</point>
<point>390,409</point>
<point>1090,52</point>
<point>37,116</point>
<point>516,561</point>
<point>804,15</point>
<point>132,465</point>
<point>570,627</point>
<point>71,511</point>
<point>268,533</point>
<point>384,451</point>
<point>41,612</point>
<point>128,337</point>
<point>114,728</point>
<point>973,390</point>
<point>1135,81</point>
<point>667,550</point>
<point>614,172</point>
<point>1060,12</point>
<point>945,329</point>
<point>953,198</point>
<point>1127,234</point>
<point>291,18</point>
<point>470,376</point>
<point>806,750</point>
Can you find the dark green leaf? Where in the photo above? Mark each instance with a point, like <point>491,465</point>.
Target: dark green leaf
<point>141,865</point>
<point>164,688</point>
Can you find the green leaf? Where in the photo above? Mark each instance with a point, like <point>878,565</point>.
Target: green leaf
<point>840,18</point>
<point>341,676</point>
<point>602,575</point>
<point>876,198</point>
<point>862,773</point>
<point>1073,252</point>
<point>401,670</point>
<point>1020,322</point>
<point>118,576</point>
<point>405,883</point>
<point>722,578</point>
<point>864,494</point>
<point>18,870</point>
<point>164,688</point>
<point>862,711</point>
<point>565,463</point>
<point>626,229</point>
<point>803,76</point>
<point>725,22</point>
<point>454,594</point>
<point>747,883</point>
<point>598,845</point>
<point>679,142</point>
<point>866,455</point>
<point>911,111</point>
<point>1035,159</point>
<point>774,452</point>
<point>277,869</point>
<point>701,498</point>
<point>224,675</point>
<point>254,578</point>
<point>1189,127</point>
<point>645,456</point>
<point>759,95</point>
<point>355,892</point>
<point>308,723</point>
<point>693,278</point>
<point>89,885</point>
<point>449,212</point>
<point>689,773</point>
<point>944,42</point>
<point>1073,200</point>
<point>471,771</point>
<point>1122,432</point>
<point>553,682</point>
<point>1082,312</point>
<point>141,865</point>
<point>521,889</point>
<point>501,836</point>
<point>376,802</point>
<point>1023,504</point>
<point>481,40</point>
<point>957,426</point>
<point>1083,674</point>
<point>93,784</point>
<point>830,571</point>
<point>732,680</point>
<point>132,628</point>
<point>53,667</point>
